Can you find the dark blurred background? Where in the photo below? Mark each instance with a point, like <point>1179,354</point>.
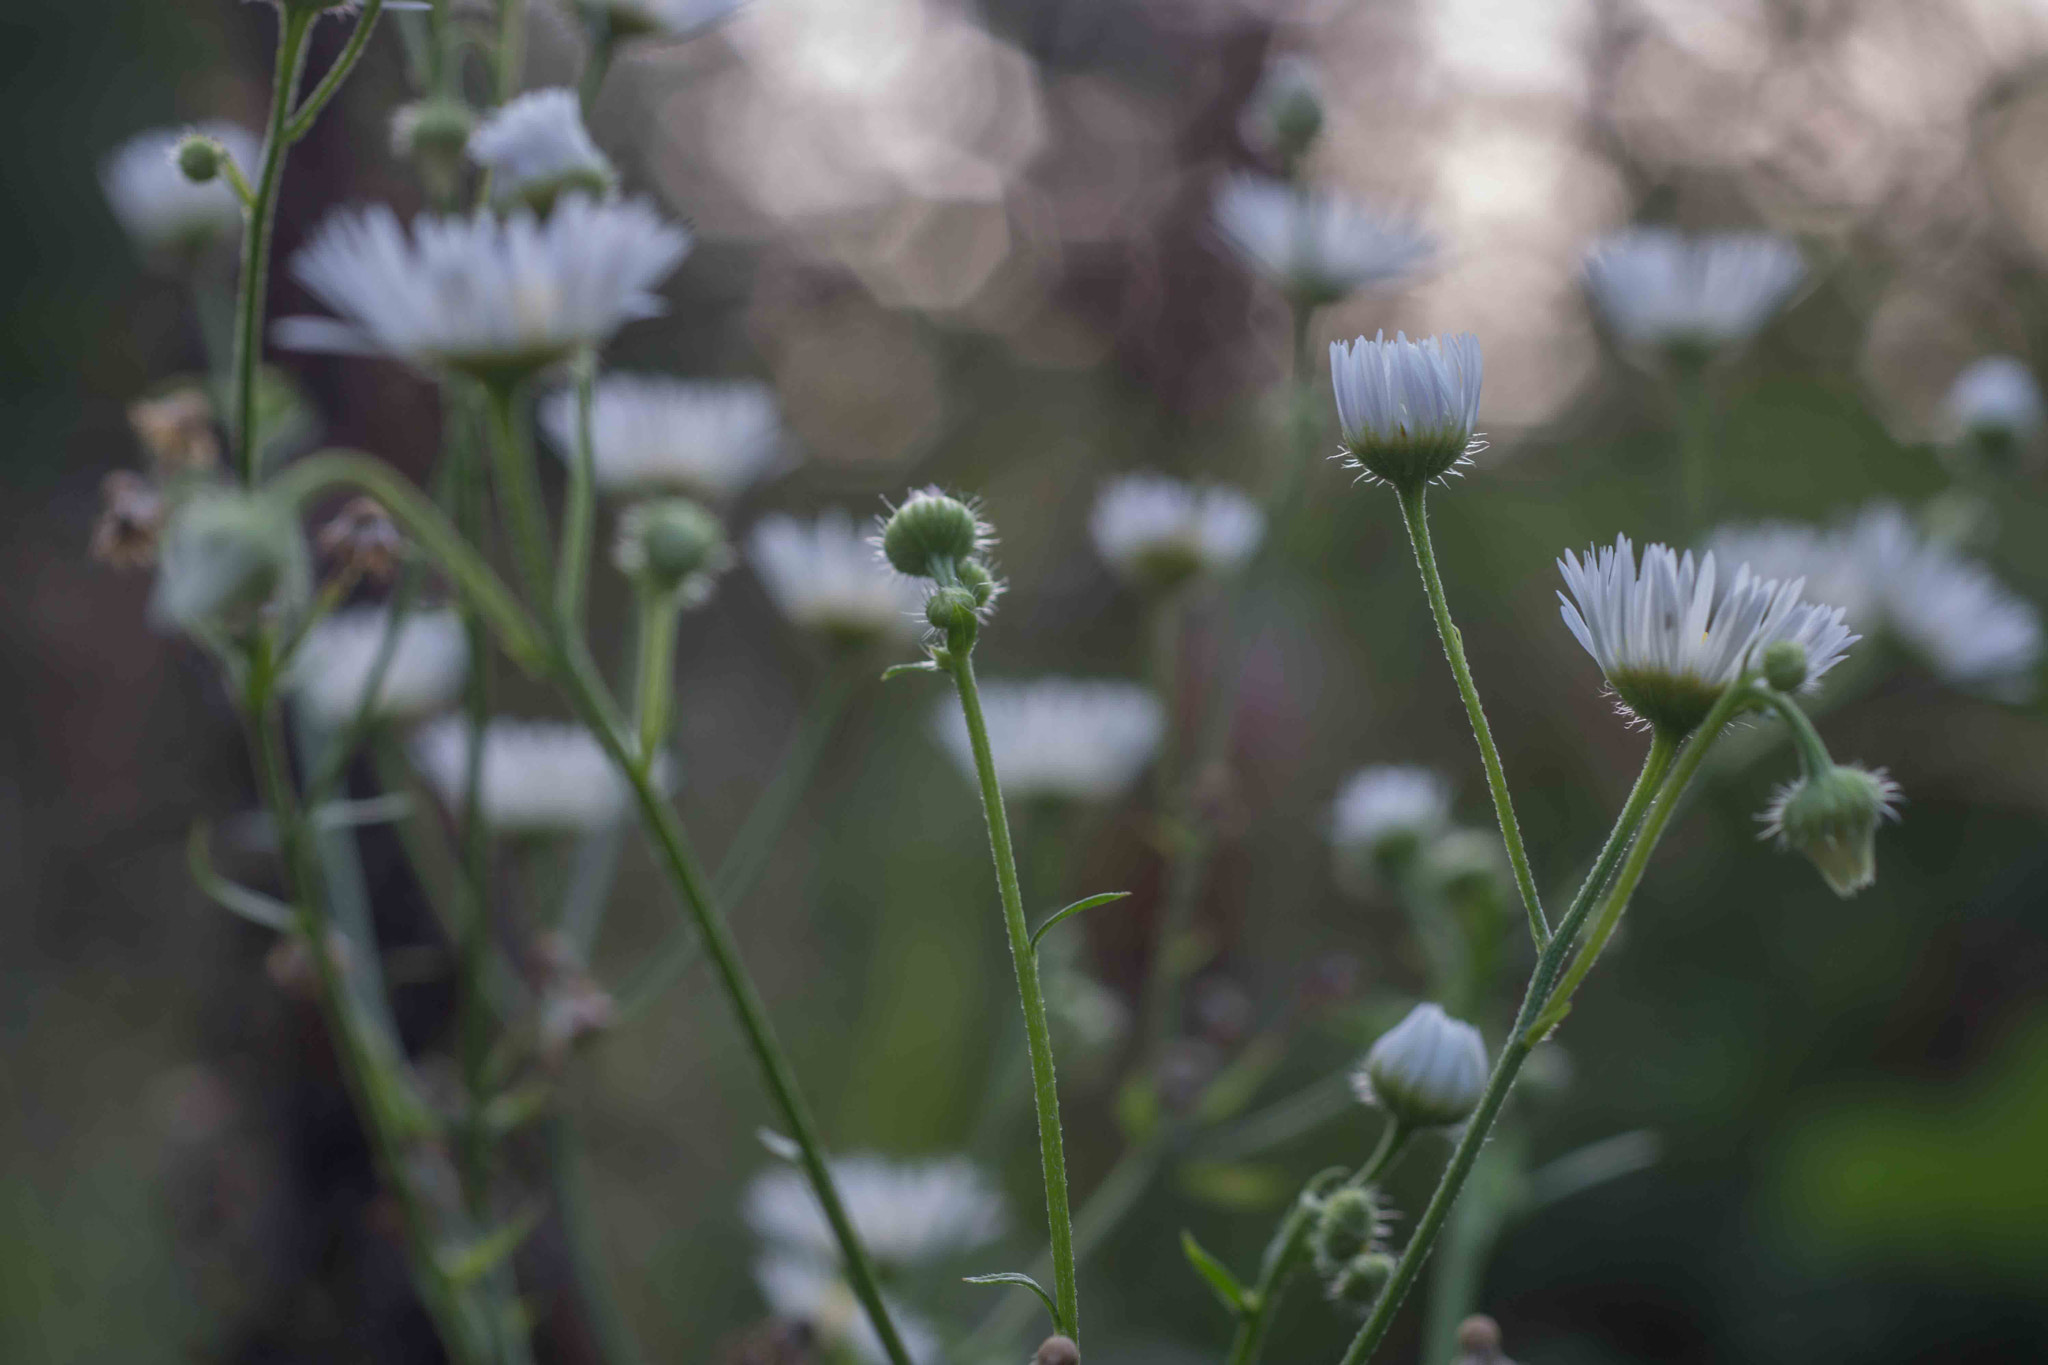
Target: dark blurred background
<point>971,244</point>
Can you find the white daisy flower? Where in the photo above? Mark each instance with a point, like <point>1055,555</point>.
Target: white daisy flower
<point>706,438</point>
<point>663,18</point>
<point>1945,608</point>
<point>161,209</point>
<point>825,577</point>
<point>1317,248</point>
<point>536,149</point>
<point>1406,409</point>
<point>429,659</point>
<point>1160,532</point>
<point>1788,549</point>
<point>1673,638</point>
<point>1658,287</point>
<point>1382,818</point>
<point>906,1212</point>
<point>1995,400</point>
<point>803,1291</point>
<point>497,298</point>
<point>537,776</point>
<point>1061,738</point>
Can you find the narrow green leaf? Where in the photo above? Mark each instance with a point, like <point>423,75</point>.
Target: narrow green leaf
<point>253,906</point>
<point>1076,908</point>
<point>1547,1021</point>
<point>469,1264</point>
<point>1228,1290</point>
<point>1018,1277</point>
<point>921,666</point>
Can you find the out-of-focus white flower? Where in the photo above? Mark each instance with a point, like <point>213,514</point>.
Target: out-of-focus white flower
<point>158,206</point>
<point>1407,408</point>
<point>906,1212</point>
<point>1672,638</point>
<point>1061,738</point>
<point>1892,580</point>
<point>1159,532</point>
<point>1316,248</point>
<point>1382,818</point>
<point>1427,1071</point>
<point>1659,287</point>
<point>429,658</point>
<point>648,433</point>
<point>536,149</point>
<point>825,577</point>
<point>225,556</point>
<point>1995,399</point>
<point>537,776</point>
<point>803,1291</point>
<point>1285,113</point>
<point>497,298</point>
<point>664,18</point>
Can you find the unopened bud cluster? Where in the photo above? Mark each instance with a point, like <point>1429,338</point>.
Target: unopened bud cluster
<point>1348,1244</point>
<point>935,536</point>
<point>672,546</point>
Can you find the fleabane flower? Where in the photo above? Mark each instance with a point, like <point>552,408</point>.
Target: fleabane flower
<point>1947,609</point>
<point>1671,638</point>
<point>1061,738</point>
<point>1316,248</point>
<point>825,577</point>
<point>1158,532</point>
<point>159,206</point>
<point>537,777</point>
<point>1407,408</point>
<point>429,658</point>
<point>1832,817</point>
<point>1691,295</point>
<point>659,18</point>
<point>1427,1071</point>
<point>495,298</point>
<point>705,438</point>
<point>1995,407</point>
<point>907,1212</point>
<point>536,148</point>
<point>1381,820</point>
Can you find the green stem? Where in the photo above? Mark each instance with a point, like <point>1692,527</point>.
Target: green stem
<point>1814,758</point>
<point>519,496</point>
<point>1415,514</point>
<point>680,865</point>
<point>654,677</point>
<point>511,47</point>
<point>602,46</point>
<point>579,511</point>
<point>1695,448</point>
<point>309,109</point>
<point>254,289</point>
<point>1038,1034</point>
<point>1538,1011</point>
<point>342,746</point>
<point>609,1329</point>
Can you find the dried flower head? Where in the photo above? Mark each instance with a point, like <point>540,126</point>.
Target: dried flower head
<point>361,539</point>
<point>131,521</point>
<point>176,430</point>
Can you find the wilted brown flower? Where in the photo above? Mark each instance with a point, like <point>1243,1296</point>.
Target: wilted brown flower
<point>131,520</point>
<point>572,1005</point>
<point>363,539</point>
<point>177,431</point>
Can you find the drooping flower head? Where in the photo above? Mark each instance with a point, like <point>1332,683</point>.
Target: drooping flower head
<point>538,777</point>
<point>537,149</point>
<point>705,438</point>
<point>495,298</point>
<point>1427,1071</point>
<point>1693,295</point>
<point>1158,532</point>
<point>429,657</point>
<point>659,18</point>
<point>162,208</point>
<point>824,576</point>
<point>1995,408</point>
<point>1407,408</point>
<point>1672,638</point>
<point>1316,248</point>
<point>1382,818</point>
<point>1832,817</point>
<point>1061,738</point>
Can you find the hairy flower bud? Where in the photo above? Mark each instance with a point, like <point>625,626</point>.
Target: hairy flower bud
<point>1427,1071</point>
<point>672,544</point>
<point>1784,664</point>
<point>1361,1281</point>
<point>932,532</point>
<point>1349,1226</point>
<point>950,609</point>
<point>199,158</point>
<point>1833,820</point>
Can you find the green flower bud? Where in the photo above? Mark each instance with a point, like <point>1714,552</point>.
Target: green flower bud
<point>226,555</point>
<point>432,131</point>
<point>1785,665</point>
<point>931,533</point>
<point>1427,1071</point>
<point>950,609</point>
<point>1349,1226</point>
<point>1833,820</point>
<point>1362,1280</point>
<point>199,157</point>
<point>672,544</point>
<point>978,580</point>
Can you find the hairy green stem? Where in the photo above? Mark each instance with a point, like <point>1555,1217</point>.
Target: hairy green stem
<point>254,288</point>
<point>1415,515</point>
<point>519,496</point>
<point>654,674</point>
<point>308,111</point>
<point>1038,1034</point>
<point>579,510</point>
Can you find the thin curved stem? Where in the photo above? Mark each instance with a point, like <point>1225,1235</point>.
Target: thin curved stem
<point>579,510</point>
<point>1037,1032</point>
<point>609,1329</point>
<point>295,24</point>
<point>1415,514</point>
<point>654,677</point>
<point>511,47</point>
<point>308,112</point>
<point>519,496</point>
